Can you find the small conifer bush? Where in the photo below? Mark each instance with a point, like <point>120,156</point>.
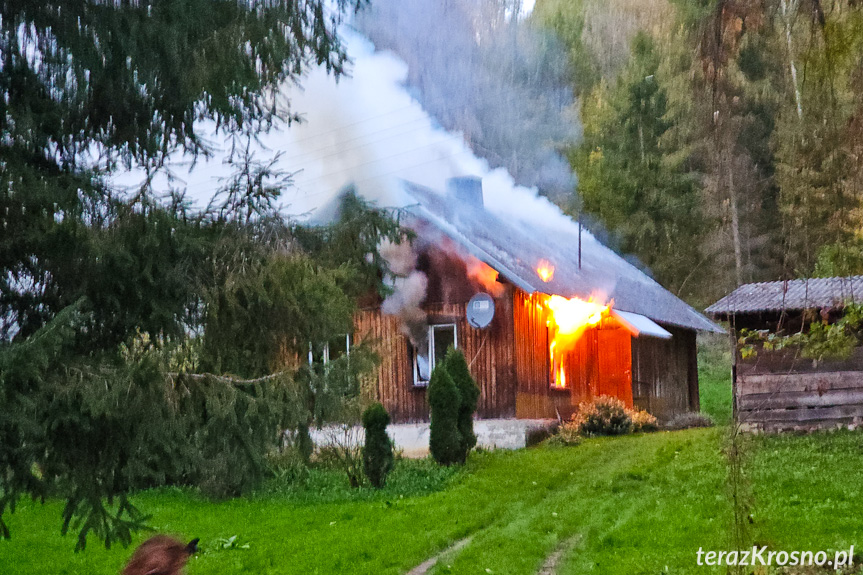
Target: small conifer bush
<point>445,440</point>
<point>378,449</point>
<point>457,367</point>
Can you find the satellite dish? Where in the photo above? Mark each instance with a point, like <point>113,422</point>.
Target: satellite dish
<point>480,310</point>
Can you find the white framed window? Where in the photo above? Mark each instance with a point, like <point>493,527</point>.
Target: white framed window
<point>440,338</point>
<point>323,353</point>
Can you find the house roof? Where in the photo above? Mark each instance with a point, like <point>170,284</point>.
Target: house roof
<point>514,249</point>
<point>790,295</point>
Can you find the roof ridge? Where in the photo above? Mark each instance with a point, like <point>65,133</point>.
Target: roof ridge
<point>514,247</point>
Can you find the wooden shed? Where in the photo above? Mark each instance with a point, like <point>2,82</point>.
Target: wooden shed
<point>640,345</point>
<point>781,390</point>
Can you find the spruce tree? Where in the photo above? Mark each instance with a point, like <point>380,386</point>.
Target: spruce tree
<point>457,367</point>
<point>445,440</point>
<point>131,83</point>
<point>378,449</point>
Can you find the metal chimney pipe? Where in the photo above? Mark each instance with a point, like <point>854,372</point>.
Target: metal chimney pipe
<point>467,189</point>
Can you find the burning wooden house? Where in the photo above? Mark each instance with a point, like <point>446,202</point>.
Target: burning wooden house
<point>547,318</point>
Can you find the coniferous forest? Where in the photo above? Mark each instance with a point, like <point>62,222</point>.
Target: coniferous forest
<point>722,140</point>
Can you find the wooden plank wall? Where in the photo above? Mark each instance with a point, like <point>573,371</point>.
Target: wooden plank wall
<point>489,353</point>
<point>791,360</point>
<point>665,373</point>
<point>510,363</point>
<point>800,401</point>
<point>615,364</point>
<point>600,364</point>
<point>533,398</point>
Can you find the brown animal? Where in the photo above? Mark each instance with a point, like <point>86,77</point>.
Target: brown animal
<point>160,555</point>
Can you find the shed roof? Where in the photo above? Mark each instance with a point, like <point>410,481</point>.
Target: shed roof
<point>514,249</point>
<point>789,295</point>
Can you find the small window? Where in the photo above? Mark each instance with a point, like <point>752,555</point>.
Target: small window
<point>323,353</point>
<point>440,339</point>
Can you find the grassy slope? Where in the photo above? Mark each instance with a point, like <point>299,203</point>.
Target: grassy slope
<point>808,490</point>
<point>637,501</point>
<point>641,504</point>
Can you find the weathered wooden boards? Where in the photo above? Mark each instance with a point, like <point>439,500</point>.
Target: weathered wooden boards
<point>665,373</point>
<point>800,401</point>
<point>489,352</point>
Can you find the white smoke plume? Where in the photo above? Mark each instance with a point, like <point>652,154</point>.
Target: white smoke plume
<point>405,302</point>
<point>482,68</point>
<point>400,257</point>
<point>409,287</point>
<point>367,130</point>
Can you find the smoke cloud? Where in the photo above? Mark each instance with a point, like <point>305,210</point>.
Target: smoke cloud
<point>369,129</point>
<point>409,288</point>
<point>366,129</point>
<point>483,69</point>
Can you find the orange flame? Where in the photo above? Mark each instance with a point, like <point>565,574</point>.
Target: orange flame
<point>567,320</point>
<point>486,276</point>
<point>545,270</point>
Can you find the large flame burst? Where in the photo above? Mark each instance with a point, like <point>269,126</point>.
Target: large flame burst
<point>567,320</point>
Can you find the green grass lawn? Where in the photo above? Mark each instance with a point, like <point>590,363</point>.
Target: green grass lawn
<point>638,505</point>
<point>714,377</point>
<point>637,502</point>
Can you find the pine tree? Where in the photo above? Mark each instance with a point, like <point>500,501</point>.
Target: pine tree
<point>630,180</point>
<point>129,81</point>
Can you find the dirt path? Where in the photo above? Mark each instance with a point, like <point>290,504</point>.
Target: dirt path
<point>549,567</point>
<point>426,565</point>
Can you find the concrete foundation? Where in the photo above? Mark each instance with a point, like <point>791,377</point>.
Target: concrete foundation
<point>412,439</point>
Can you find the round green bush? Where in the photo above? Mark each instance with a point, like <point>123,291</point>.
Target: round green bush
<point>604,415</point>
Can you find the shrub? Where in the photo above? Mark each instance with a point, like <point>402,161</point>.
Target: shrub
<point>445,441</point>
<point>342,449</point>
<point>567,435</point>
<point>642,421</point>
<point>378,450</point>
<point>539,434</point>
<point>689,419</point>
<point>288,465</point>
<point>457,367</point>
<point>603,416</point>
